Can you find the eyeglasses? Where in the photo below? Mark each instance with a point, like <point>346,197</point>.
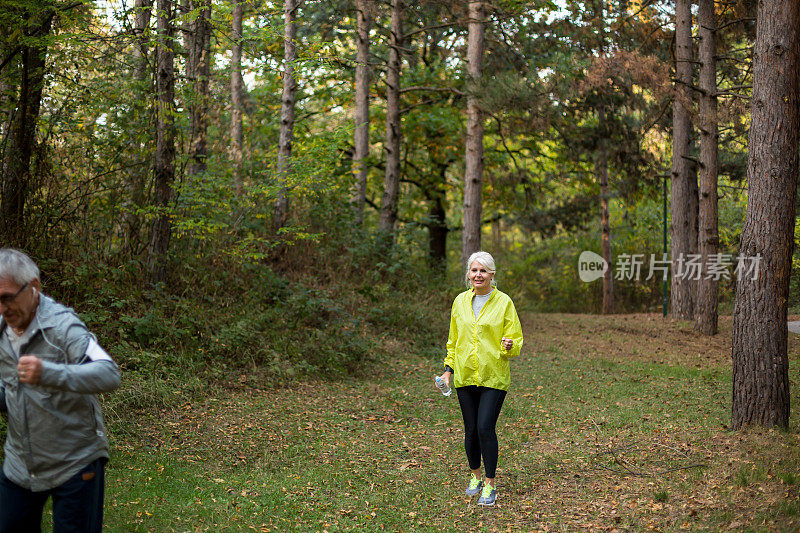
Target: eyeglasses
<point>6,299</point>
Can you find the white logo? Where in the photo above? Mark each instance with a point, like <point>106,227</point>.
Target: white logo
<point>591,266</point>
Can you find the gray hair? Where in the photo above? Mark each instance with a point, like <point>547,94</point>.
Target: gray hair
<point>485,259</point>
<point>16,266</point>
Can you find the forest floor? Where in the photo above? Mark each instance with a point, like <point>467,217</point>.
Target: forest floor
<point>612,423</point>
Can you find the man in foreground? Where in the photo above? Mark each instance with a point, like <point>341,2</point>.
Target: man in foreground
<point>51,367</point>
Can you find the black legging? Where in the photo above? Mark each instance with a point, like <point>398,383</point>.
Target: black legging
<point>480,407</point>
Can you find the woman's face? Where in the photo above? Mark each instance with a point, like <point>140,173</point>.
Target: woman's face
<point>480,278</point>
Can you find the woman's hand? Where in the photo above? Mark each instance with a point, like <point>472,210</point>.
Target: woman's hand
<point>445,377</point>
<point>507,343</point>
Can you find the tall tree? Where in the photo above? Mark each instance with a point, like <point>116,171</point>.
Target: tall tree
<point>473,175</point>
<point>391,180</point>
<point>601,167</point>
<point>681,164</point>
<point>706,301</point>
<point>287,108</point>
<point>136,175</point>
<point>15,171</point>
<point>361,136</point>
<point>605,219</point>
<point>142,14</point>
<point>198,70</point>
<point>237,97</point>
<point>759,349</point>
<point>165,144</point>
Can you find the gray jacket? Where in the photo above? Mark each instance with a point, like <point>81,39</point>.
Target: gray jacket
<point>55,428</point>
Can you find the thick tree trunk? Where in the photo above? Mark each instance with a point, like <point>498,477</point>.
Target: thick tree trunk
<point>759,350</point>
<point>706,301</point>
<point>142,13</point>
<point>605,220</point>
<point>391,180</point>
<point>473,175</point>
<point>237,97</point>
<point>361,139</point>
<point>198,70</point>
<point>136,176</point>
<point>287,109</point>
<point>165,144</point>
<point>680,193</point>
<point>22,137</point>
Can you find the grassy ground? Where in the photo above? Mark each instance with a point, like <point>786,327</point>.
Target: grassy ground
<point>611,423</point>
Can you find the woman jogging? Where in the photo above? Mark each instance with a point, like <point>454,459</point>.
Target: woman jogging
<point>484,334</point>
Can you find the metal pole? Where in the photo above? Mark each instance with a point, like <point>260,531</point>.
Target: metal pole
<point>664,306</point>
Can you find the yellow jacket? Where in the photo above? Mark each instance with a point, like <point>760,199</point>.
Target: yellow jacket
<point>474,350</point>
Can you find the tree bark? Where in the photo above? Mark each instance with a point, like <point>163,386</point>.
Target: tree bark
<point>237,97</point>
<point>473,175</point>
<point>287,109</point>
<point>759,348</point>
<point>142,13</point>
<point>22,135</point>
<point>706,304</point>
<point>165,144</point>
<point>136,176</point>
<point>391,180</point>
<point>361,137</point>
<point>198,71</point>
<point>680,191</point>
<point>605,219</point>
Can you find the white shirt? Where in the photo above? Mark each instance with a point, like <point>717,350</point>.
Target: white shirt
<point>478,302</point>
<point>17,341</point>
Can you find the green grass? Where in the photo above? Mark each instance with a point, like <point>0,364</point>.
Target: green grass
<point>592,436</point>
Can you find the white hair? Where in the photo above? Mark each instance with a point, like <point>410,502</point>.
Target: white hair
<point>485,259</point>
<point>16,266</point>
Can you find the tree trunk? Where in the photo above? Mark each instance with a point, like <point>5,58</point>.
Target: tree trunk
<point>605,219</point>
<point>136,176</point>
<point>473,175</point>
<point>7,104</point>
<point>437,223</point>
<point>198,70</point>
<point>680,193</point>
<point>22,135</point>
<point>361,139</point>
<point>706,304</point>
<point>237,99</point>
<point>437,234</point>
<point>759,350</point>
<point>142,13</point>
<point>391,180</point>
<point>165,144</point>
<point>287,109</point>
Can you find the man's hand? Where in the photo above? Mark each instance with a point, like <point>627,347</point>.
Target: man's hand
<point>507,343</point>
<point>29,369</point>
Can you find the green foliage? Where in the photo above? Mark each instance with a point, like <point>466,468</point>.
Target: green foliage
<point>545,270</point>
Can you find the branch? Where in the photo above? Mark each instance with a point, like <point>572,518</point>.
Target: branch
<point>736,21</point>
<point>428,28</point>
<point>424,102</point>
<point>10,56</point>
<point>735,95</point>
<point>728,90</point>
<point>689,85</point>
<point>421,88</point>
